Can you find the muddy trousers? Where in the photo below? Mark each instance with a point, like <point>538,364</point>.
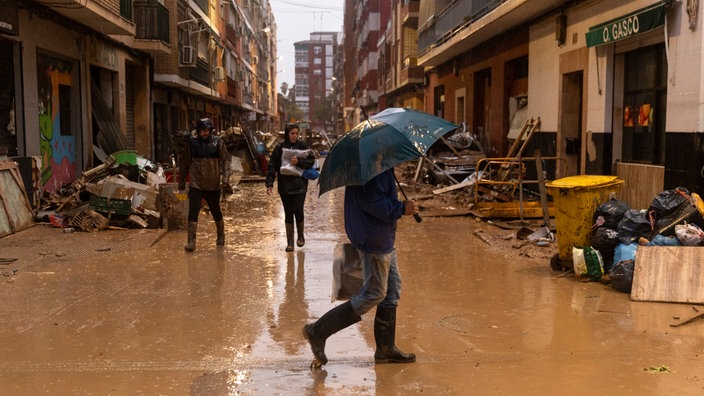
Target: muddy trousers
<point>385,337</point>
<point>212,198</point>
<point>333,321</point>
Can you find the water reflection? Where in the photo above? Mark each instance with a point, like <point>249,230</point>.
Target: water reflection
<point>293,309</point>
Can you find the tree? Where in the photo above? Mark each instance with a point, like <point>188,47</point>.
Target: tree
<point>291,110</point>
<point>325,112</point>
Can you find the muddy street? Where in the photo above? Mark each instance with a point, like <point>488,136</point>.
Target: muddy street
<point>129,312</point>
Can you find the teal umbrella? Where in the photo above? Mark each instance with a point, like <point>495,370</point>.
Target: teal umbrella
<point>393,136</point>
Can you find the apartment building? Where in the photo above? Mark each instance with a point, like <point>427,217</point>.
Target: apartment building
<point>400,78</point>
<point>314,74</point>
<point>88,78</point>
<point>365,24</point>
<point>221,67</point>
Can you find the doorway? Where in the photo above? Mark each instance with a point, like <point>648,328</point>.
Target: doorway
<point>569,138</point>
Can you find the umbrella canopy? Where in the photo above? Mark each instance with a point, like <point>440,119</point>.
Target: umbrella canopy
<point>391,137</point>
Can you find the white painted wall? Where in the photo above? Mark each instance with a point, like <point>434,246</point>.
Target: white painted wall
<point>685,89</point>
<point>543,75</point>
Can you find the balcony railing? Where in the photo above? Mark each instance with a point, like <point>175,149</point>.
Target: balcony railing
<point>126,9</point>
<point>151,20</point>
<point>411,75</point>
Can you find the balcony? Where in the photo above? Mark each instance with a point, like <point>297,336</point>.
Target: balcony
<point>103,16</point>
<point>465,24</point>
<point>152,21</point>
<point>411,75</point>
<point>409,13</point>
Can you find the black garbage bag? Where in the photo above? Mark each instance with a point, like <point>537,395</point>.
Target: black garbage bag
<point>611,212</point>
<point>605,241</point>
<point>685,212</point>
<point>635,224</point>
<point>668,201</point>
<point>621,275</point>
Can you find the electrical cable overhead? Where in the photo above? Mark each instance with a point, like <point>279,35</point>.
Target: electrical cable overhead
<point>304,5</point>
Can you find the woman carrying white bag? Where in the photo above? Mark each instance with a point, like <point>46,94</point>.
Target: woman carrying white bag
<point>292,187</point>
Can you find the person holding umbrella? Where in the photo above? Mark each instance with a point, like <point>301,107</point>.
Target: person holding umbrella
<point>292,189</point>
<point>363,161</point>
<point>208,162</point>
<point>371,212</point>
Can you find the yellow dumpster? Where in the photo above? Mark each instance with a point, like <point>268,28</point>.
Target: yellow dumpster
<point>575,200</point>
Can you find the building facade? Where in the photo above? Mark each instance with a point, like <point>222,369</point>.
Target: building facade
<point>92,78</point>
<point>365,24</point>
<point>616,84</point>
<point>400,78</point>
<point>314,73</point>
<point>75,82</point>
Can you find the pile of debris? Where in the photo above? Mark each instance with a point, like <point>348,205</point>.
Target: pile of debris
<point>122,192</point>
<point>459,177</point>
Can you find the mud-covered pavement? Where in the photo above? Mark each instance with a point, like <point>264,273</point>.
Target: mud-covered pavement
<point>129,312</point>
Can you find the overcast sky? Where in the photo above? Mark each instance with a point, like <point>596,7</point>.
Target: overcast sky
<point>295,20</point>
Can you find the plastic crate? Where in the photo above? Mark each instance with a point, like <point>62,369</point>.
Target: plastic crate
<point>111,205</point>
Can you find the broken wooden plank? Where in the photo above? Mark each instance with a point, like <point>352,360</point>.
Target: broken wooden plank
<point>464,183</point>
<point>690,320</point>
<point>669,274</point>
<point>445,212</point>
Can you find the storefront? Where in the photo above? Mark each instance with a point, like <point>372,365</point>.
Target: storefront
<point>633,49</point>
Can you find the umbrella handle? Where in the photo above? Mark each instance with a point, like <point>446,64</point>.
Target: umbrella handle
<point>416,215</point>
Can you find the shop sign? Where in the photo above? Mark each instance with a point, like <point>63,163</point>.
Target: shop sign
<point>9,17</point>
<point>627,26</point>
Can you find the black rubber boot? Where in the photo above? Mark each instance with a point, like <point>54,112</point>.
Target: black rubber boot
<point>301,240</point>
<point>385,337</point>
<point>192,228</point>
<point>289,237</point>
<point>220,227</point>
<point>333,321</point>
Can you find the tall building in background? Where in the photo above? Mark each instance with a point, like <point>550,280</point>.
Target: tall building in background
<point>365,24</point>
<point>314,79</point>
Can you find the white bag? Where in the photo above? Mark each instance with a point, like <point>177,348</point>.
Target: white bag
<point>286,167</point>
<point>346,272</point>
<point>689,234</point>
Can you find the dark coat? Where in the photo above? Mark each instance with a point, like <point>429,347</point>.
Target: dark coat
<point>207,161</point>
<point>288,184</point>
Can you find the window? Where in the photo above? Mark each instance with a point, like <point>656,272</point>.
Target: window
<point>644,99</point>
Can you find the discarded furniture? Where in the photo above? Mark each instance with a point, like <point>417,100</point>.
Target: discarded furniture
<point>668,274</point>
<point>15,211</point>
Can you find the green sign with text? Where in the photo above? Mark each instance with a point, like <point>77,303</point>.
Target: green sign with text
<point>629,25</point>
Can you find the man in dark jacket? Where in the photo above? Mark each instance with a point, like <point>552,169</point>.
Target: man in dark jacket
<point>292,188</point>
<point>371,212</point>
<point>207,161</point>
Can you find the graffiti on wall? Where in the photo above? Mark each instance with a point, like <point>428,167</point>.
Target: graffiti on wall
<point>57,149</point>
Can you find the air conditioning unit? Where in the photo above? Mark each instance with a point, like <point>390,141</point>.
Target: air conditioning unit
<point>188,56</point>
<point>219,74</point>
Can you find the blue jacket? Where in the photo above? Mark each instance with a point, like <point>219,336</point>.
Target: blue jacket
<point>371,212</point>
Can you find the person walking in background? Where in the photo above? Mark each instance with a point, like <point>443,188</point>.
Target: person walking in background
<point>371,212</point>
<point>292,188</point>
<point>207,161</point>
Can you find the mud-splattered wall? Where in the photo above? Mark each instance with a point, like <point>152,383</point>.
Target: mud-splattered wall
<point>57,144</point>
